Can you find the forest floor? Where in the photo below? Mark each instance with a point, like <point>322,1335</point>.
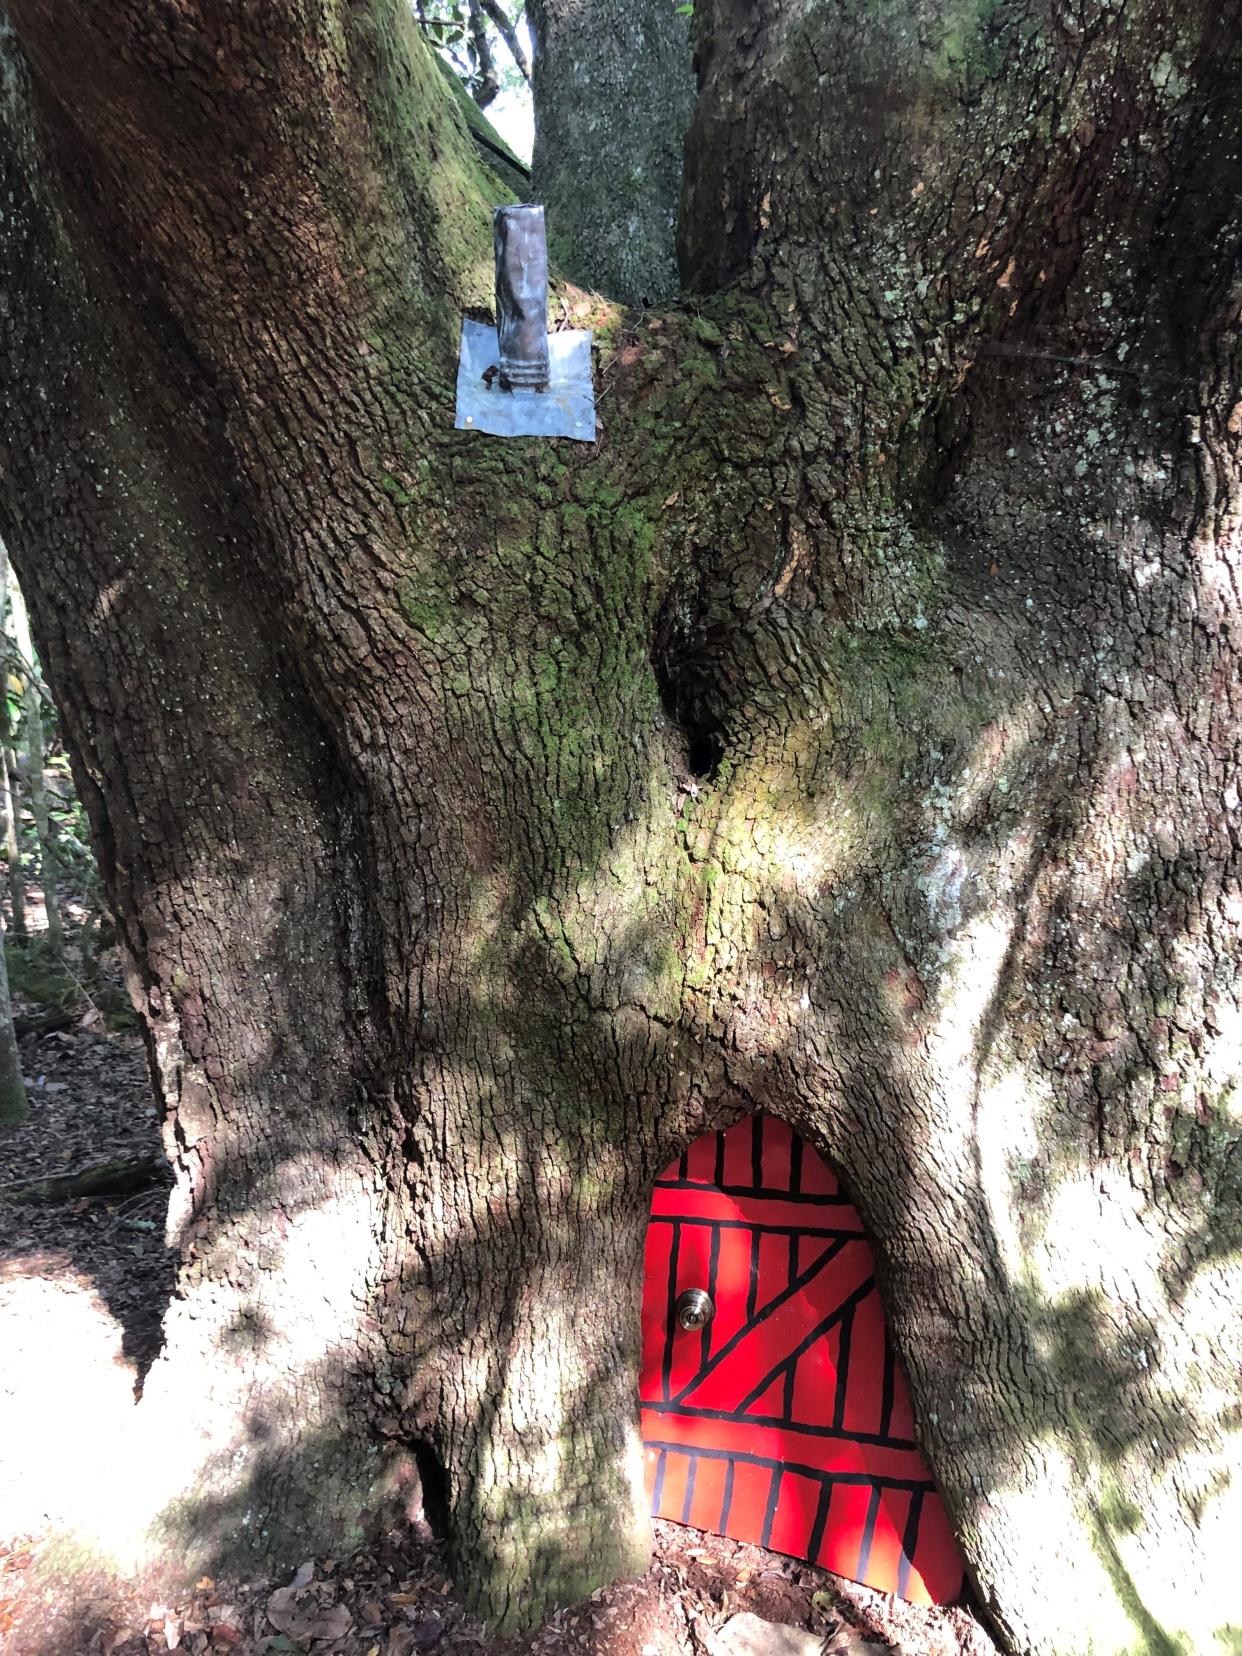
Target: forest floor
<point>83,1286</point>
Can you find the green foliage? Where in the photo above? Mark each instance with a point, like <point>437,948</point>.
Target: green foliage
<point>70,832</point>
<point>468,36</point>
<point>36,976</point>
<point>34,972</point>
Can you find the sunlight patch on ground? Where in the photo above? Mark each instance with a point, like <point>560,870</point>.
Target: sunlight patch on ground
<point>90,1464</point>
<point>66,1396</point>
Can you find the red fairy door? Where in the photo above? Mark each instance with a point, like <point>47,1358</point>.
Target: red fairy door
<point>782,1418</point>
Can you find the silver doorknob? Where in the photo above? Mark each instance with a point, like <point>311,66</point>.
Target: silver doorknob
<point>694,1308</point>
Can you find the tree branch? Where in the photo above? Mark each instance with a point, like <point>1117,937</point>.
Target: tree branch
<point>115,1178</point>
<point>488,83</point>
<point>508,33</point>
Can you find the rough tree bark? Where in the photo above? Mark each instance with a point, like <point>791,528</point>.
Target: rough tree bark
<point>853,734</point>
<point>613,88</point>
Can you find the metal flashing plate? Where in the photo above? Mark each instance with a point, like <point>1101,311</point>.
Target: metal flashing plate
<point>565,409</point>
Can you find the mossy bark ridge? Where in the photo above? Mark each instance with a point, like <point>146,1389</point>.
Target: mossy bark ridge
<point>852,734</point>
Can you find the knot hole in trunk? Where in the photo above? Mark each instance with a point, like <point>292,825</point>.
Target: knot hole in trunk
<point>690,660</point>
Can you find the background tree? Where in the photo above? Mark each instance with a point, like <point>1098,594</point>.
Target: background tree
<point>10,806</point>
<point>36,767</point>
<point>9,800</point>
<point>852,733</point>
<point>615,93</point>
<point>13,1103</point>
<point>614,89</point>
<point>14,1107</point>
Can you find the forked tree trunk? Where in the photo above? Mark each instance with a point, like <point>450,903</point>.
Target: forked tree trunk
<point>852,734</point>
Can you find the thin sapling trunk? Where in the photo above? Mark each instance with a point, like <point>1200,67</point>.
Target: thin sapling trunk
<point>35,751</point>
<point>12,847</point>
<point>13,1104</point>
<point>8,780</point>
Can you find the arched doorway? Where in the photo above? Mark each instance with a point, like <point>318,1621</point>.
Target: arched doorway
<point>783,1417</point>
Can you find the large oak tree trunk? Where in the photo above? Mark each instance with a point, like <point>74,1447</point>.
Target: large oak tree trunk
<point>851,734</point>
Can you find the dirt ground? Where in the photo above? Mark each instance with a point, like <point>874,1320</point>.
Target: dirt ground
<point>83,1286</point>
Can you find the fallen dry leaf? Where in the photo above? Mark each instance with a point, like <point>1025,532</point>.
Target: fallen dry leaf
<point>427,1630</point>
<point>286,1616</point>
